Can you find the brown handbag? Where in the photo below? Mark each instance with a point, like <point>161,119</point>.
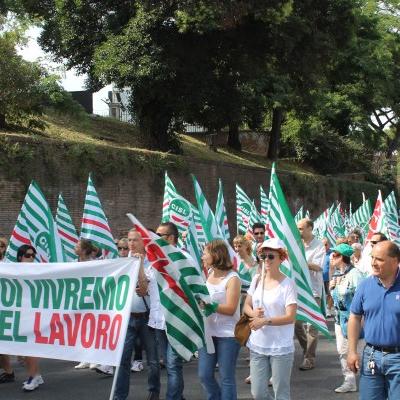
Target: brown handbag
<point>242,330</point>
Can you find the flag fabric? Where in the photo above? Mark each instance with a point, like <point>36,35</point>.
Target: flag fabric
<point>19,237</point>
<point>180,285</point>
<point>36,223</point>
<point>243,210</point>
<point>299,215</point>
<point>95,226</point>
<point>335,226</point>
<point>220,212</point>
<point>360,218</point>
<point>169,191</point>
<point>254,218</point>
<point>211,228</point>
<point>392,218</point>
<point>283,226</point>
<point>264,205</point>
<point>66,230</point>
<point>377,221</point>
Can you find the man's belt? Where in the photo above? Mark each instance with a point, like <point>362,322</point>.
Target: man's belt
<point>139,314</point>
<point>385,349</point>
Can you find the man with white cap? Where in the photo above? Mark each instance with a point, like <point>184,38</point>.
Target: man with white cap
<point>307,335</point>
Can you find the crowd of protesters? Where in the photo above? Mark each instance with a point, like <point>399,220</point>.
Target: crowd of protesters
<point>359,287</point>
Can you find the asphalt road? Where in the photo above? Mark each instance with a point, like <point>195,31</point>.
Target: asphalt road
<point>62,382</point>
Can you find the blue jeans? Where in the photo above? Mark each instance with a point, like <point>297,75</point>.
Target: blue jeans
<point>138,327</point>
<point>385,383</point>
<point>174,365</point>
<point>226,354</point>
<point>263,368</point>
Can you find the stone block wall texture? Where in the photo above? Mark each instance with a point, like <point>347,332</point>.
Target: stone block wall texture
<point>141,193</point>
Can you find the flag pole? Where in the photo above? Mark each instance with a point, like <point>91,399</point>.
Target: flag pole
<point>114,384</point>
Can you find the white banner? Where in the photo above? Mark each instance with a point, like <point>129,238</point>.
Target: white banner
<point>69,311</point>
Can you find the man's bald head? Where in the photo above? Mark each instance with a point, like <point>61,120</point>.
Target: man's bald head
<point>391,249</point>
<point>385,260</point>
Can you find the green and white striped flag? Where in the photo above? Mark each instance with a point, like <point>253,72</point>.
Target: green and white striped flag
<point>243,210</point>
<point>360,218</point>
<point>220,212</point>
<point>254,218</point>
<point>19,237</point>
<point>210,226</point>
<point>95,225</point>
<point>36,220</point>
<point>180,285</point>
<point>335,226</point>
<point>180,211</point>
<point>299,215</point>
<point>283,226</point>
<point>66,230</point>
<point>264,205</point>
<point>392,218</point>
<point>169,191</point>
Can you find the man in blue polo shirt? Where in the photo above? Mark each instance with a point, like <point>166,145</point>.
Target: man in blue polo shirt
<point>377,299</point>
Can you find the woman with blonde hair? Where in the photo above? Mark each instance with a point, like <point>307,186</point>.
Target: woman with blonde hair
<point>271,304</point>
<point>248,264</point>
<point>223,313</point>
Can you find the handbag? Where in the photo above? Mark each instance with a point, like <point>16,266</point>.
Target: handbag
<point>242,330</point>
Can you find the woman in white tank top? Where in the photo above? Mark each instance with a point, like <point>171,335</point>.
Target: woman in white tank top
<point>223,313</point>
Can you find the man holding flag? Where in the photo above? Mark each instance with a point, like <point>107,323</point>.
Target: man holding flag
<point>315,254</point>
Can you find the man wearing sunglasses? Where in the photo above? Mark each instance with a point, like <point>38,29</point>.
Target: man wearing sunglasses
<point>306,334</point>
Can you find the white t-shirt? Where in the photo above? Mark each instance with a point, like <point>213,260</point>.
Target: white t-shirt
<point>220,325</point>
<point>273,340</point>
<point>315,254</point>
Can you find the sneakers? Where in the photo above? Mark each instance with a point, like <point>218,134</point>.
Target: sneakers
<point>346,387</point>
<point>38,378</point>
<point>248,380</point>
<point>307,365</point>
<point>6,378</point>
<point>82,365</point>
<point>137,366</point>
<point>93,366</point>
<point>32,383</point>
<point>105,369</point>
<point>153,396</point>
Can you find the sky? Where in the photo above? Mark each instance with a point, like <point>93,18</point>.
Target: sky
<point>70,80</point>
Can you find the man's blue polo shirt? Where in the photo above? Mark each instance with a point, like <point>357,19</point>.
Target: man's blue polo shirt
<point>381,310</point>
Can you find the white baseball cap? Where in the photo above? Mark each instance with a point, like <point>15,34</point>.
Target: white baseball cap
<point>273,243</point>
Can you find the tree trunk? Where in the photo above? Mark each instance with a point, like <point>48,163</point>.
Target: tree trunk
<point>394,144</point>
<point>273,148</point>
<point>2,121</point>
<point>233,136</point>
<point>154,124</point>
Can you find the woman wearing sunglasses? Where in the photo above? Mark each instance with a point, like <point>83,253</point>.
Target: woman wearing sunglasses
<point>271,304</point>
<point>25,254</point>
<point>342,286</point>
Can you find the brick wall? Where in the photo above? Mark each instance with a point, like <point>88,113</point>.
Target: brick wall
<point>141,193</point>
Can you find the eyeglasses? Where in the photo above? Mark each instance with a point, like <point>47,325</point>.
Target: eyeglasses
<point>259,233</point>
<point>269,256</point>
<point>123,248</point>
<point>29,255</point>
<point>162,234</point>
